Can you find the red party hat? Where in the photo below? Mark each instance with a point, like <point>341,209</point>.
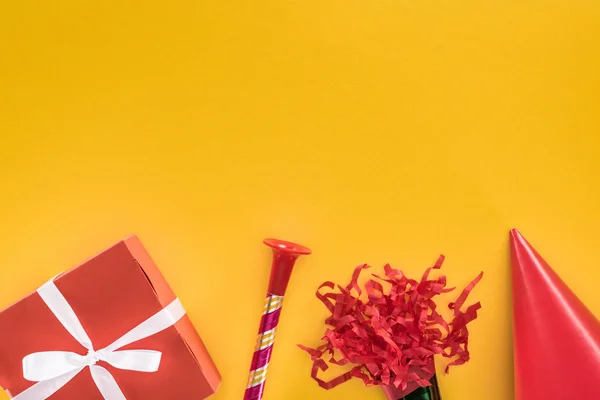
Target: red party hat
<point>556,338</point>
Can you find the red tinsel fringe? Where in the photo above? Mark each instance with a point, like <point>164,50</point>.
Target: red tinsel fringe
<point>392,337</point>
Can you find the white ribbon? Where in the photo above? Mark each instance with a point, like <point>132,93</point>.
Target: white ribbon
<point>54,369</point>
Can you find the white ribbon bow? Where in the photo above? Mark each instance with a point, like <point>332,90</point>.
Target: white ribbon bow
<point>54,369</point>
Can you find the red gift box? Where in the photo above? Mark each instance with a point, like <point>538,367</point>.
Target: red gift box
<point>110,295</point>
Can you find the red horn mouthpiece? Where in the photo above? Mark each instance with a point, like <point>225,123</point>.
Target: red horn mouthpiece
<point>285,255</point>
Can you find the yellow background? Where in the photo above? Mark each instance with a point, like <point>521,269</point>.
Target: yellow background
<point>368,130</point>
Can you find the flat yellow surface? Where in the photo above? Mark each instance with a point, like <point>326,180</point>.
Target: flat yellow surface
<point>368,130</point>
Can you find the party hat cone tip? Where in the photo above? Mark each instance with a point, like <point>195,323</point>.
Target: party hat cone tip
<point>518,243</point>
<point>514,233</point>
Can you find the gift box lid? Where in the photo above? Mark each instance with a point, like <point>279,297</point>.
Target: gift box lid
<point>110,293</point>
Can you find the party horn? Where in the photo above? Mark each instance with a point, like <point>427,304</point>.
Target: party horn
<point>285,255</point>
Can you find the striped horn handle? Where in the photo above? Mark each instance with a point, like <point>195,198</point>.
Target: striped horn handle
<point>285,255</point>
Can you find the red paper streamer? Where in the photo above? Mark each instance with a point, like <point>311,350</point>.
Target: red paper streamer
<point>391,337</point>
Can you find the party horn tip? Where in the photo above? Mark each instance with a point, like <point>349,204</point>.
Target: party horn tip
<point>287,247</point>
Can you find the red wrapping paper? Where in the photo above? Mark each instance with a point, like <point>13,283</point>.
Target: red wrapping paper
<point>390,329</point>
<point>110,293</point>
